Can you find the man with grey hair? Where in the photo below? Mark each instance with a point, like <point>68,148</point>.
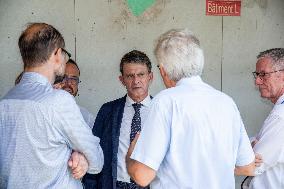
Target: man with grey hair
<point>269,142</point>
<point>194,136</point>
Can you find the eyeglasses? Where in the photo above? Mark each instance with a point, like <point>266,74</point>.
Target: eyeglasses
<point>66,53</point>
<point>72,80</point>
<point>261,75</point>
<point>58,79</point>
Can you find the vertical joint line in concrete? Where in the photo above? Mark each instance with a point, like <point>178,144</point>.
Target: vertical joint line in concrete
<point>222,54</point>
<point>75,29</point>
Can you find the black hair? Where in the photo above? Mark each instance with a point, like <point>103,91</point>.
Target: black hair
<point>135,56</point>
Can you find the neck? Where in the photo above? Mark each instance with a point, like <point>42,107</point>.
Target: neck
<point>170,84</point>
<point>43,70</point>
<point>137,99</point>
<point>274,100</point>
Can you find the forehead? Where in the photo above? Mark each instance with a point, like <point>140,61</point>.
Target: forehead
<point>71,70</point>
<point>264,64</point>
<point>129,68</point>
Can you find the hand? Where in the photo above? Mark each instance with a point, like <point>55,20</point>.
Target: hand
<point>131,147</point>
<point>258,160</point>
<point>79,165</point>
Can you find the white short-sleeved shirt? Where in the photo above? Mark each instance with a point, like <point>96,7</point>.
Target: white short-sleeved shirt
<point>270,175</point>
<point>193,137</point>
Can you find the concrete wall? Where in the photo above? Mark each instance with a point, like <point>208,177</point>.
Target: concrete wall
<point>99,32</point>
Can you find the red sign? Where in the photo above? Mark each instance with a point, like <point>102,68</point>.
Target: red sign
<point>223,7</point>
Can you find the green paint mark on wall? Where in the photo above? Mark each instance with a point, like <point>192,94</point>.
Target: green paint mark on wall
<point>137,7</point>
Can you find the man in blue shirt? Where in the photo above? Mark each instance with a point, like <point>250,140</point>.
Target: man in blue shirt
<point>41,126</point>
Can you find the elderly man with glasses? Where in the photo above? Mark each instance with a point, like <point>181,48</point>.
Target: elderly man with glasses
<point>269,142</point>
<point>42,130</point>
<point>70,83</point>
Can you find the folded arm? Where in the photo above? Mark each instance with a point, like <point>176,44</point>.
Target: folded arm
<point>247,170</point>
<point>140,173</point>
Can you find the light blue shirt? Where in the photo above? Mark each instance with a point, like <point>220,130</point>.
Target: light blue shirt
<point>193,137</point>
<point>39,128</point>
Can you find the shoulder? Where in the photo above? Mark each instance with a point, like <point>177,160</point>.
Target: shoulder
<point>204,94</point>
<point>114,103</point>
<point>278,110</point>
<point>164,98</point>
<point>84,110</point>
<point>218,96</point>
<point>226,98</point>
<point>59,98</point>
<point>86,113</point>
<point>111,106</point>
<point>166,93</point>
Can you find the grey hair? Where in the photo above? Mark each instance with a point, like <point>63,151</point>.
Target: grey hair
<point>277,56</point>
<point>179,52</point>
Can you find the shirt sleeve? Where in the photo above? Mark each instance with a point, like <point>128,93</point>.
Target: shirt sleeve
<point>88,117</point>
<point>271,143</point>
<point>78,134</point>
<point>245,154</point>
<point>154,139</point>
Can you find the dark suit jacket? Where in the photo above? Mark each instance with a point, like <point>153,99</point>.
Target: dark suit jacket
<point>107,128</point>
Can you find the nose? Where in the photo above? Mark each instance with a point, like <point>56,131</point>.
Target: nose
<point>258,81</point>
<point>136,79</point>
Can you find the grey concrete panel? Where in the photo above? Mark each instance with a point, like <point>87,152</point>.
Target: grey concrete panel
<point>14,16</point>
<point>106,30</point>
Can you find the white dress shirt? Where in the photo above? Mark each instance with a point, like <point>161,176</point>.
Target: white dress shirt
<point>124,137</point>
<point>270,145</point>
<point>39,128</point>
<point>193,137</point>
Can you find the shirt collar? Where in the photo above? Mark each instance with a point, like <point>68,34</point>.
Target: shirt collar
<point>280,100</point>
<point>189,80</point>
<point>34,77</point>
<point>146,102</point>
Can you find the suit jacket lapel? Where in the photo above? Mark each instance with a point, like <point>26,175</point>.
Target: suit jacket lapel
<point>116,124</point>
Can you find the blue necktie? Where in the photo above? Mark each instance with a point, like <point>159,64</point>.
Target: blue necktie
<point>136,121</point>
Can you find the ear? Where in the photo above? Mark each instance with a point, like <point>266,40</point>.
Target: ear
<point>151,76</point>
<point>162,71</point>
<point>282,75</point>
<point>121,79</point>
<point>167,81</point>
<point>57,56</point>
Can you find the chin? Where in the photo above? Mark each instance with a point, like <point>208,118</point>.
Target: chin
<point>263,95</point>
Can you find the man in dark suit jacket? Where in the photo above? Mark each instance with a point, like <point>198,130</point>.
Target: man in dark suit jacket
<point>116,123</point>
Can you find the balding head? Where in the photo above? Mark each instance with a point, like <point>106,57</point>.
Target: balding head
<point>38,42</point>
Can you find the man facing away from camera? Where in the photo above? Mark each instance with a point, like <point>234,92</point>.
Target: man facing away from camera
<point>40,127</point>
<point>193,136</point>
